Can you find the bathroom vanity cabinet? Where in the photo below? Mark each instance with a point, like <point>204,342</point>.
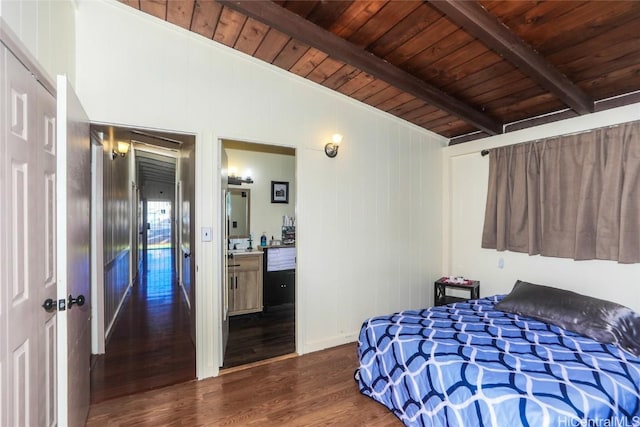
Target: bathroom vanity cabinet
<point>245,283</point>
<point>279,287</point>
<point>279,275</point>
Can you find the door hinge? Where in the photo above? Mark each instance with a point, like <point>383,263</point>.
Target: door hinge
<point>62,305</point>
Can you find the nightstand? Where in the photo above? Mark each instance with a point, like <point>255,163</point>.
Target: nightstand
<point>441,285</point>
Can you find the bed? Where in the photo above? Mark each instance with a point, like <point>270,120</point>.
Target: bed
<point>472,364</point>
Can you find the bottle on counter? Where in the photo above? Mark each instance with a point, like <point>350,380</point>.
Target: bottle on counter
<point>263,239</point>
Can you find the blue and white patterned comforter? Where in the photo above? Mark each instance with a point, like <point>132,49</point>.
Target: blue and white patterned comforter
<point>467,364</point>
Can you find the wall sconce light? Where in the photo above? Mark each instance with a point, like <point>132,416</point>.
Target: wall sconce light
<point>122,148</point>
<point>233,179</point>
<point>331,149</point>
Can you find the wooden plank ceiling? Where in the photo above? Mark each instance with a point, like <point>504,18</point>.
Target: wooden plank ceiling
<point>462,69</point>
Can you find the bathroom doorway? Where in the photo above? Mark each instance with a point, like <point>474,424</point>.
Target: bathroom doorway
<point>266,329</point>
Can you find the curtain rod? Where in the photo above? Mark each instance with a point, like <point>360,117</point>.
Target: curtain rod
<point>485,151</point>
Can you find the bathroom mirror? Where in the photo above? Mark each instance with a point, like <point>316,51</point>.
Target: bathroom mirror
<point>239,213</point>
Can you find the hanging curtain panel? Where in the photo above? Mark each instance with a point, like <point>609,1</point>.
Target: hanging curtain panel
<point>574,196</point>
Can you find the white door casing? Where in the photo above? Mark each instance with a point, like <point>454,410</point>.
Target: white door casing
<point>27,249</point>
<point>133,220</point>
<point>140,229</point>
<point>145,224</point>
<point>98,341</point>
<point>178,214</point>
<point>185,250</point>
<point>74,242</point>
<point>187,202</point>
<point>224,273</point>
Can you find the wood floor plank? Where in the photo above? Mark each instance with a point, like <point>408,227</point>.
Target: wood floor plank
<point>316,389</point>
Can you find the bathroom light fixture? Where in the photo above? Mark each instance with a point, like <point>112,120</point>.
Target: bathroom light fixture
<point>232,179</point>
<point>122,148</point>
<point>331,149</point>
<point>235,180</point>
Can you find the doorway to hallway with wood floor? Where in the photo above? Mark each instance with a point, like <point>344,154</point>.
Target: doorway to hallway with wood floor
<point>150,346</point>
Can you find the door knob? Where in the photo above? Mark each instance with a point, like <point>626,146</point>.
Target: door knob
<point>79,301</point>
<point>49,305</point>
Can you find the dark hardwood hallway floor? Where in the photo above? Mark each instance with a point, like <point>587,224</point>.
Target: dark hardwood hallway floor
<point>151,345</point>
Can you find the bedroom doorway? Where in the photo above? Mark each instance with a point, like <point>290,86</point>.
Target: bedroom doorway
<point>262,326</point>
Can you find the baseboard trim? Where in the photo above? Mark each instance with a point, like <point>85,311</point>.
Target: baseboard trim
<point>334,341</point>
<point>107,332</point>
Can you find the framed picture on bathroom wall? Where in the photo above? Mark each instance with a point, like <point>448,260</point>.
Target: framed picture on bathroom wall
<point>279,192</point>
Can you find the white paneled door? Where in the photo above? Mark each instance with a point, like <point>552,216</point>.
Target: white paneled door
<point>28,270</point>
<point>74,242</point>
<point>45,189</point>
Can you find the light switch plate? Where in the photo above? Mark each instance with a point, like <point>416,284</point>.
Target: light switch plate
<point>205,233</point>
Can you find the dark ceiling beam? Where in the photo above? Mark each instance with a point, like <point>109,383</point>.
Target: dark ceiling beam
<point>601,105</point>
<point>476,20</point>
<point>295,26</point>
<point>468,137</point>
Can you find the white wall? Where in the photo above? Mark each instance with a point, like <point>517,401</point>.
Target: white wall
<point>266,167</point>
<point>465,187</point>
<point>47,30</point>
<point>116,217</point>
<point>368,220</point>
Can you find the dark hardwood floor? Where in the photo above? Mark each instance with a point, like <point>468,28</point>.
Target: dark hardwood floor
<point>259,336</point>
<point>151,345</point>
<point>316,389</point>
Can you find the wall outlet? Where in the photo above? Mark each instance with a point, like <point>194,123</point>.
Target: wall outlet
<point>205,233</point>
<point>500,262</point>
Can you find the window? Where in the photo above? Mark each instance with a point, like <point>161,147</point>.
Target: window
<point>574,196</point>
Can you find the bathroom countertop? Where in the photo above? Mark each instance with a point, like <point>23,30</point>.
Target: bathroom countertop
<point>276,246</point>
<point>245,252</point>
<point>258,250</point>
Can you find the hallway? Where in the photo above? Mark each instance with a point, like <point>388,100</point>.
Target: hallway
<point>150,346</point>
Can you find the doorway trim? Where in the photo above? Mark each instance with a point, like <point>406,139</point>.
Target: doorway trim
<point>97,245</point>
<point>217,308</point>
<point>204,157</point>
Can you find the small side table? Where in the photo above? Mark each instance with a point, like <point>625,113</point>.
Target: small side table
<point>441,285</point>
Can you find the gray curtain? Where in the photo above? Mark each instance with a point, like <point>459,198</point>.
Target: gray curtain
<point>574,196</point>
